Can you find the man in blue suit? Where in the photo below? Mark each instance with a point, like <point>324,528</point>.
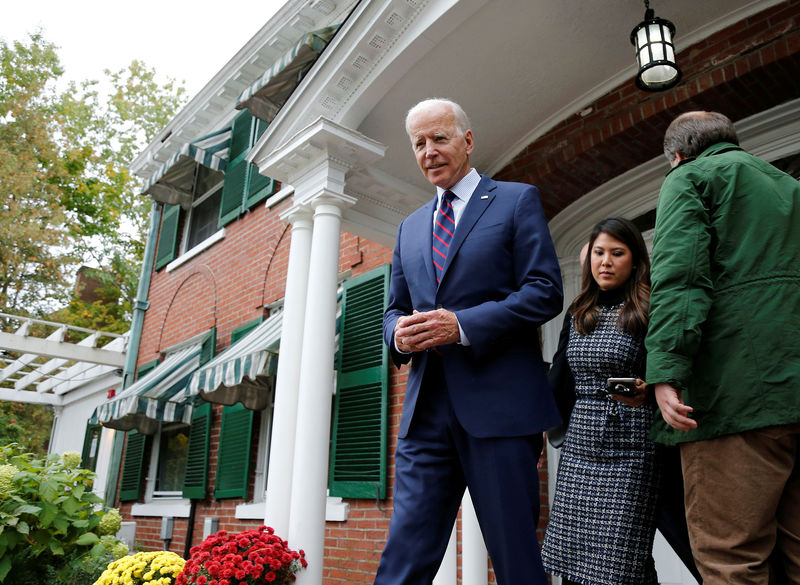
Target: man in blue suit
<point>474,275</point>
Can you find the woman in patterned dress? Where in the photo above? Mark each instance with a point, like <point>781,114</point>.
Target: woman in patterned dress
<point>603,518</point>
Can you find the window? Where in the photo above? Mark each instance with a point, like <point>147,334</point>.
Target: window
<point>173,446</point>
<point>91,447</point>
<point>178,453</point>
<point>202,220</point>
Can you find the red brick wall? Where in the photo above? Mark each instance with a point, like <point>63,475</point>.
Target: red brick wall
<point>225,286</point>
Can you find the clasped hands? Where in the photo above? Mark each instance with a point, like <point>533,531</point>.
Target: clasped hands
<point>424,330</point>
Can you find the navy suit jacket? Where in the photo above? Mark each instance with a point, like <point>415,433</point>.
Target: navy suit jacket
<point>502,280</point>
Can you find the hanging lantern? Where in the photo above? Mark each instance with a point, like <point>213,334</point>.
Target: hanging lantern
<point>655,53</point>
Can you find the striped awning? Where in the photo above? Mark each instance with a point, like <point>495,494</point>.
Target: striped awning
<point>245,372</point>
<point>157,397</point>
<point>175,177</point>
<point>265,96</point>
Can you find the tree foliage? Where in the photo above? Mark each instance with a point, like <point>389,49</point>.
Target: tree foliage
<point>67,198</point>
<point>66,195</point>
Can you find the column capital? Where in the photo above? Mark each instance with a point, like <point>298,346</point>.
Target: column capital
<point>330,198</point>
<point>321,142</point>
<point>297,213</point>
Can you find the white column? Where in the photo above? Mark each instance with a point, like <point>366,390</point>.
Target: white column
<point>474,557</point>
<point>309,484</point>
<point>316,161</point>
<point>448,570</point>
<point>284,416</point>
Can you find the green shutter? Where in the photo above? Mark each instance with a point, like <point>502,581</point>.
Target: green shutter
<point>168,240</point>
<point>195,478</point>
<point>359,443</point>
<point>259,187</point>
<point>243,330</point>
<point>132,467</point>
<point>241,135</point>
<point>233,461</point>
<point>209,347</point>
<point>244,186</point>
<point>145,369</point>
<point>233,191</point>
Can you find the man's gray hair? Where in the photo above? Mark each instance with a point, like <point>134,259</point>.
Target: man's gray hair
<point>459,115</point>
<point>692,132</point>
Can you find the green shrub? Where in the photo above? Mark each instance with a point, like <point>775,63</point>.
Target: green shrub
<point>52,531</point>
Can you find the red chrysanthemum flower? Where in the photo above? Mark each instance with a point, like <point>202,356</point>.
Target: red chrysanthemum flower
<point>251,557</point>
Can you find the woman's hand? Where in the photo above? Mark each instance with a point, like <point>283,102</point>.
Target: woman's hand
<point>642,393</point>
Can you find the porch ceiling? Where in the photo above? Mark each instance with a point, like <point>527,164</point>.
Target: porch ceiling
<point>518,67</point>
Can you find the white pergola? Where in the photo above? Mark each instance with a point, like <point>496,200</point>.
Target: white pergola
<point>40,363</point>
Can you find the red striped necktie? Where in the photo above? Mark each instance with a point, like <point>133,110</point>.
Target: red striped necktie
<point>443,227</point>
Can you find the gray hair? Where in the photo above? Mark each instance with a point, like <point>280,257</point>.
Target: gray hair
<point>692,132</point>
<point>459,115</point>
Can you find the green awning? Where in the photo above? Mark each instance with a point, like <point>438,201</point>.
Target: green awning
<point>268,93</point>
<point>156,397</point>
<point>172,183</point>
<point>245,372</point>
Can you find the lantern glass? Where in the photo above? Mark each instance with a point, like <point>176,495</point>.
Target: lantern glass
<point>655,53</point>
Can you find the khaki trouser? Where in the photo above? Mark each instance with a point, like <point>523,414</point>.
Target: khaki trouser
<point>743,503</point>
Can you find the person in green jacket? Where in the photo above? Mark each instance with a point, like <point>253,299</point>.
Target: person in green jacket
<point>724,349</point>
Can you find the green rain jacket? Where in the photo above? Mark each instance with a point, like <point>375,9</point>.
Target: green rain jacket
<point>725,305</point>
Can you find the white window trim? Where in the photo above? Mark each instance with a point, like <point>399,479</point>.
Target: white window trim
<point>184,254</point>
<point>151,496</point>
<point>174,507</point>
<point>188,255</point>
<point>262,458</point>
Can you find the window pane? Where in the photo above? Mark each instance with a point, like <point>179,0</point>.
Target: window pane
<point>172,459</point>
<point>204,219</point>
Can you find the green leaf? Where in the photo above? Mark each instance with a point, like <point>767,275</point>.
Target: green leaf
<point>70,506</point>
<point>78,491</point>
<point>48,489</point>
<point>29,509</point>
<point>5,567</point>
<point>61,524</point>
<point>48,514</point>
<point>87,538</point>
<point>23,527</point>
<point>98,550</point>
<point>56,547</point>
<point>82,523</point>
<point>92,498</point>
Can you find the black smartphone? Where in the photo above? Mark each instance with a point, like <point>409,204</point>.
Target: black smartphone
<point>622,386</point>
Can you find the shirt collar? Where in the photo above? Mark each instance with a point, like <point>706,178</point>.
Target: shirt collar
<point>464,188</point>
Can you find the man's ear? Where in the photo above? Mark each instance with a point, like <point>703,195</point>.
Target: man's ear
<point>676,160</point>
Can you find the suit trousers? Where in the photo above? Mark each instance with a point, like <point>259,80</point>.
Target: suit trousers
<point>743,506</point>
<point>434,463</point>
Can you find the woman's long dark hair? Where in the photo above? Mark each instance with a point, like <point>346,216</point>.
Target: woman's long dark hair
<point>633,317</point>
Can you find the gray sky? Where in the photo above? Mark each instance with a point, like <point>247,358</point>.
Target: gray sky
<point>189,41</point>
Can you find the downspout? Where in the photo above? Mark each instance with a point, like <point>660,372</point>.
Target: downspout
<point>140,305</point>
